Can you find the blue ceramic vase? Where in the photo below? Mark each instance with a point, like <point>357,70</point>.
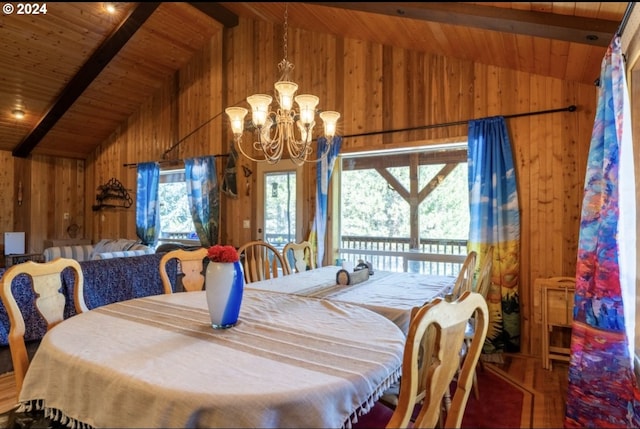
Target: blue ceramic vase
<point>224,286</point>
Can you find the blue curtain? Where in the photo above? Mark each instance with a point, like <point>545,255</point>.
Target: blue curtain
<point>602,386</point>
<point>324,170</point>
<point>495,221</point>
<point>147,208</point>
<point>204,197</point>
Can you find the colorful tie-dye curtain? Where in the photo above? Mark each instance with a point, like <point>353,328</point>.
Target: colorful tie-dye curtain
<point>324,170</point>
<point>204,197</point>
<point>147,208</point>
<point>495,221</point>
<point>602,386</point>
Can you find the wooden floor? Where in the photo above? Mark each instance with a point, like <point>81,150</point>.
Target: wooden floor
<point>550,388</point>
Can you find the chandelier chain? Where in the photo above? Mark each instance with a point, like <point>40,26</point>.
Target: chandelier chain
<point>286,30</point>
<point>285,66</point>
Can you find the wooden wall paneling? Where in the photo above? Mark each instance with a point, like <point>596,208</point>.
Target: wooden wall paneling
<point>78,201</point>
<point>407,104</point>
<point>393,69</point>
<point>193,107</point>
<point>89,180</point>
<point>41,195</point>
<point>22,214</point>
<point>110,165</point>
<point>541,199</point>
<point>219,140</point>
<point>442,96</point>
<point>363,95</point>
<point>461,95</point>
<point>231,233</point>
<point>377,88</point>
<point>63,196</point>
<point>536,208</point>
<point>557,172</point>
<point>8,190</point>
<point>520,129</point>
<point>566,163</point>
<point>56,196</point>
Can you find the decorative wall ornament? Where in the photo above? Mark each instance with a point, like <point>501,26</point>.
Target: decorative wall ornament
<point>112,195</point>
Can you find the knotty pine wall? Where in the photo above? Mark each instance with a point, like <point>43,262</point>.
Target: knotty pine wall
<point>375,88</point>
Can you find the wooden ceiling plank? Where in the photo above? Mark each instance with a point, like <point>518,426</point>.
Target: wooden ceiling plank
<point>89,71</point>
<point>595,32</point>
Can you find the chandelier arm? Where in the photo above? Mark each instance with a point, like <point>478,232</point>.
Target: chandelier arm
<point>324,154</point>
<point>245,154</point>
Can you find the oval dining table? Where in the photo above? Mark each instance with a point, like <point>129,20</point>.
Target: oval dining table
<point>291,361</point>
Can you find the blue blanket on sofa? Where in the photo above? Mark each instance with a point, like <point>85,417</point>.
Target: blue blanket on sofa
<point>105,281</point>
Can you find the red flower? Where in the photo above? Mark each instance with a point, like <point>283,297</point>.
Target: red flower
<point>219,253</point>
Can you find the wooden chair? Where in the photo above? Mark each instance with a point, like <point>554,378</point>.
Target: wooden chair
<point>191,268</point>
<point>483,284</point>
<point>261,261</point>
<point>46,280</point>
<point>464,280</point>
<point>390,395</point>
<point>431,361</point>
<point>301,254</point>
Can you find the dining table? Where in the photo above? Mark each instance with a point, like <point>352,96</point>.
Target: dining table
<point>389,293</point>
<point>156,362</point>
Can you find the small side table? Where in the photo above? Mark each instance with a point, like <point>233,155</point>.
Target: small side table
<point>557,312</point>
<point>18,258</point>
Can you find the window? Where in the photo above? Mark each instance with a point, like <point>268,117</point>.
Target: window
<point>397,203</point>
<point>176,223</point>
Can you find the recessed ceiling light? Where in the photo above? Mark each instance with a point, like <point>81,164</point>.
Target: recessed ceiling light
<point>18,113</point>
<point>110,7</point>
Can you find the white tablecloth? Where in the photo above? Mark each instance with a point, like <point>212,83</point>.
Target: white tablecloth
<point>152,362</point>
<point>391,294</point>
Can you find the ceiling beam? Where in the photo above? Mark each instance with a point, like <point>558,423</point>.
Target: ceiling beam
<point>87,73</point>
<point>218,12</point>
<point>595,32</point>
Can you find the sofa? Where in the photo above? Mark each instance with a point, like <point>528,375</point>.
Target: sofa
<point>105,249</point>
<point>105,281</point>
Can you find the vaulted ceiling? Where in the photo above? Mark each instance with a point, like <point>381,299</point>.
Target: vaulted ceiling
<point>78,73</point>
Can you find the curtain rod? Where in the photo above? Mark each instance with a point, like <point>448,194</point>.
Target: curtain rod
<point>571,108</point>
<point>169,161</point>
<point>625,18</point>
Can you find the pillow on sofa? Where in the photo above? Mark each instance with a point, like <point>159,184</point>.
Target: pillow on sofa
<point>123,253</point>
<point>107,245</point>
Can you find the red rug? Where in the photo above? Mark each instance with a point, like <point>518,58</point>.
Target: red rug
<point>503,404</point>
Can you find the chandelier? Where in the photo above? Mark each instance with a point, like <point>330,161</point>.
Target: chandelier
<point>276,128</point>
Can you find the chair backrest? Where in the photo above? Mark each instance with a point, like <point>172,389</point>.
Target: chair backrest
<point>300,254</point>
<point>464,281</point>
<point>190,268</point>
<point>46,280</point>
<point>434,341</point>
<point>261,261</point>
<point>484,275</point>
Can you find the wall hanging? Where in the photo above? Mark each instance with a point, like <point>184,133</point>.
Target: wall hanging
<point>112,195</point>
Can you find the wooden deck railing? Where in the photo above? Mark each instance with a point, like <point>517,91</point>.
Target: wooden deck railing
<point>434,256</point>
